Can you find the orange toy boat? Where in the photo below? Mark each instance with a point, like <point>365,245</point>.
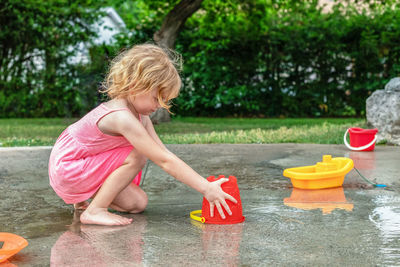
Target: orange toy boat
<point>12,244</point>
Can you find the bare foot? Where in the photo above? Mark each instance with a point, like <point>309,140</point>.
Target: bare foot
<point>103,217</point>
<point>81,205</point>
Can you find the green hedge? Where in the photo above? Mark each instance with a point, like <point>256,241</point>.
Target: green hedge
<point>292,61</point>
<point>241,58</point>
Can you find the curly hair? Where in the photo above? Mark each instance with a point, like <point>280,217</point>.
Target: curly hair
<point>144,68</point>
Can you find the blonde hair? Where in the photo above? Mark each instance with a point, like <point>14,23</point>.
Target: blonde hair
<point>144,68</point>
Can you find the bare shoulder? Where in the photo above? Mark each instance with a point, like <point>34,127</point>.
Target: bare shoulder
<point>116,104</point>
<point>122,111</point>
<point>114,122</point>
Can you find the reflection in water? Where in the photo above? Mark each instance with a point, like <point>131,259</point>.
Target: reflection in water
<point>221,241</point>
<point>7,264</point>
<point>386,217</point>
<point>362,160</point>
<point>325,199</point>
<point>95,245</point>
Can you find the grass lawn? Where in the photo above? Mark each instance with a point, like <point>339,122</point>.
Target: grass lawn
<point>38,132</point>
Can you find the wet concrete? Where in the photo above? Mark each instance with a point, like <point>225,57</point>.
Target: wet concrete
<point>353,225</point>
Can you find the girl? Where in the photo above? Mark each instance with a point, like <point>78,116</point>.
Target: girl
<point>100,157</point>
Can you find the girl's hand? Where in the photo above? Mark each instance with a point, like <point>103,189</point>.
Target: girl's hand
<point>216,197</point>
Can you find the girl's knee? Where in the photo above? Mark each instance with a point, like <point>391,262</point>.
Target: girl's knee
<point>140,203</point>
<point>143,203</point>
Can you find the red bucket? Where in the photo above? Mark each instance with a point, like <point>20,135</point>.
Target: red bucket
<point>230,187</point>
<point>361,139</point>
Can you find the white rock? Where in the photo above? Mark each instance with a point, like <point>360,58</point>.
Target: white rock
<point>383,112</point>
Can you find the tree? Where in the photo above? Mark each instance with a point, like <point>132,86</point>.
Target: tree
<point>167,35</point>
<point>174,22</point>
<point>36,40</point>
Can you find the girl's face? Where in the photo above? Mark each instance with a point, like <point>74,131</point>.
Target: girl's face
<point>147,103</point>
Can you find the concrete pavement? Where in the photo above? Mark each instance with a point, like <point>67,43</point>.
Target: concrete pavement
<point>354,225</point>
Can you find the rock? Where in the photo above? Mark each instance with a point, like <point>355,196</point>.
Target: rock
<point>159,116</point>
<point>383,112</point>
<point>393,85</point>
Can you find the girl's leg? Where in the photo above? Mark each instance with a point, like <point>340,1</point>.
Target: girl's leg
<point>117,182</point>
<point>81,205</point>
<point>132,199</point>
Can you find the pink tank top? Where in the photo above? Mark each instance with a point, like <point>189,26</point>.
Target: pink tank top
<point>84,138</point>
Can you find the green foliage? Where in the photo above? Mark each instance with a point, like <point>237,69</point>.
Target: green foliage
<point>36,39</point>
<point>286,58</point>
<point>241,58</point>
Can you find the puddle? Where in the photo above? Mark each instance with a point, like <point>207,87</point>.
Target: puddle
<point>386,217</point>
<point>214,240</point>
<point>325,200</point>
<point>357,225</point>
<point>96,245</point>
<point>363,160</point>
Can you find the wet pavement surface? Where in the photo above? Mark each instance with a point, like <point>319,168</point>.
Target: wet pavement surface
<point>353,225</point>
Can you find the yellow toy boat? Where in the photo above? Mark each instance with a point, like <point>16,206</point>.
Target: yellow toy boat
<point>326,174</point>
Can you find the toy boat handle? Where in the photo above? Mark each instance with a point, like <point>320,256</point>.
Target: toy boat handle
<point>197,218</point>
<point>357,148</point>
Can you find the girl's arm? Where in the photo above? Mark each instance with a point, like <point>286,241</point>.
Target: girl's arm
<point>126,124</point>
<point>148,125</point>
